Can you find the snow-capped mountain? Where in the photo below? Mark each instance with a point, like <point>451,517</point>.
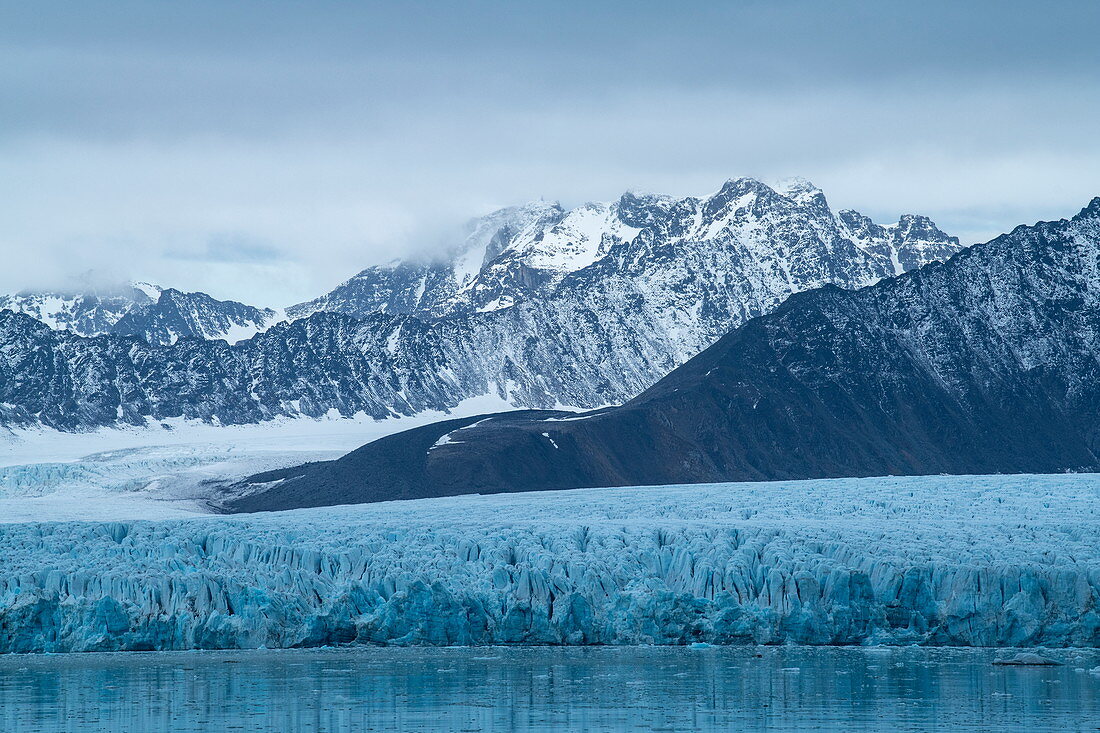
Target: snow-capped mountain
<point>160,316</point>
<point>87,313</point>
<point>692,267</point>
<point>986,363</point>
<point>539,307</point>
<point>178,314</point>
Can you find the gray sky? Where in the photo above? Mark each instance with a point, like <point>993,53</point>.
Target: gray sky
<point>267,150</point>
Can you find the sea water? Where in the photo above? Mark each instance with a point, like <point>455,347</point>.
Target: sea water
<point>545,688</point>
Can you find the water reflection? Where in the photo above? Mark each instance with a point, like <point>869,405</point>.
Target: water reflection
<point>534,689</point>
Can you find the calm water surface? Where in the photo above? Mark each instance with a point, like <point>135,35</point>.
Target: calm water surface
<point>537,689</point>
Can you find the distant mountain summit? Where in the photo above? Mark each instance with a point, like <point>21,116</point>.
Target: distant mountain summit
<point>178,314</point>
<point>743,249</point>
<point>987,363</point>
<point>536,307</point>
<point>160,316</point>
<point>86,312</point>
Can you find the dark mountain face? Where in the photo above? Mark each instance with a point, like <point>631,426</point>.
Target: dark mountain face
<point>987,363</point>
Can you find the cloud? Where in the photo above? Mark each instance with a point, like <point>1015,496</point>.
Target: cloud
<point>230,249</point>
<point>267,152</point>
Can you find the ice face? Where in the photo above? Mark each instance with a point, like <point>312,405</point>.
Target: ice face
<point>997,561</point>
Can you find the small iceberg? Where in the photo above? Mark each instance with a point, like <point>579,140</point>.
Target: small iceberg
<point>1028,659</point>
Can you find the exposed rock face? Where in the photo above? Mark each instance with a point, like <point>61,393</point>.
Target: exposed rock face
<point>539,307</point>
<point>984,364</point>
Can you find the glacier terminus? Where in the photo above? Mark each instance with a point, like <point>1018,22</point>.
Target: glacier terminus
<point>936,560</point>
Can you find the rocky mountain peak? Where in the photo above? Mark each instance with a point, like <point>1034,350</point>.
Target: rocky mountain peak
<point>540,250</point>
<point>916,226</point>
<point>1091,211</point>
<point>803,192</point>
<point>642,210</point>
<point>860,225</point>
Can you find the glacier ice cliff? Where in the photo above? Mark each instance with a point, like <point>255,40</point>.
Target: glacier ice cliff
<point>988,560</point>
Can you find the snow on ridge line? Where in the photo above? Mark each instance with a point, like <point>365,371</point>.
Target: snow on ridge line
<point>997,560</point>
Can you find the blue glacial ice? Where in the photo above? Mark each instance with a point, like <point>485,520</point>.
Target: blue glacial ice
<point>990,561</point>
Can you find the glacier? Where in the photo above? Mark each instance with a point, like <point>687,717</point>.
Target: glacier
<point>972,560</point>
<point>157,473</point>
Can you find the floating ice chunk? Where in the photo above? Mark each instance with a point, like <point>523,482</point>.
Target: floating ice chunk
<point>1028,659</point>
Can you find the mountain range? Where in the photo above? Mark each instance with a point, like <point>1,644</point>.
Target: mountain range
<point>987,363</point>
<point>681,269</point>
<point>537,306</point>
<point>159,316</point>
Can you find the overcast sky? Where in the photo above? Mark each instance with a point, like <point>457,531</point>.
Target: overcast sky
<point>266,151</point>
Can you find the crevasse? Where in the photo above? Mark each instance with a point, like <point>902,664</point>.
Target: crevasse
<point>991,560</point>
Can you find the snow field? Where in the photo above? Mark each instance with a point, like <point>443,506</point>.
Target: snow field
<point>156,473</point>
